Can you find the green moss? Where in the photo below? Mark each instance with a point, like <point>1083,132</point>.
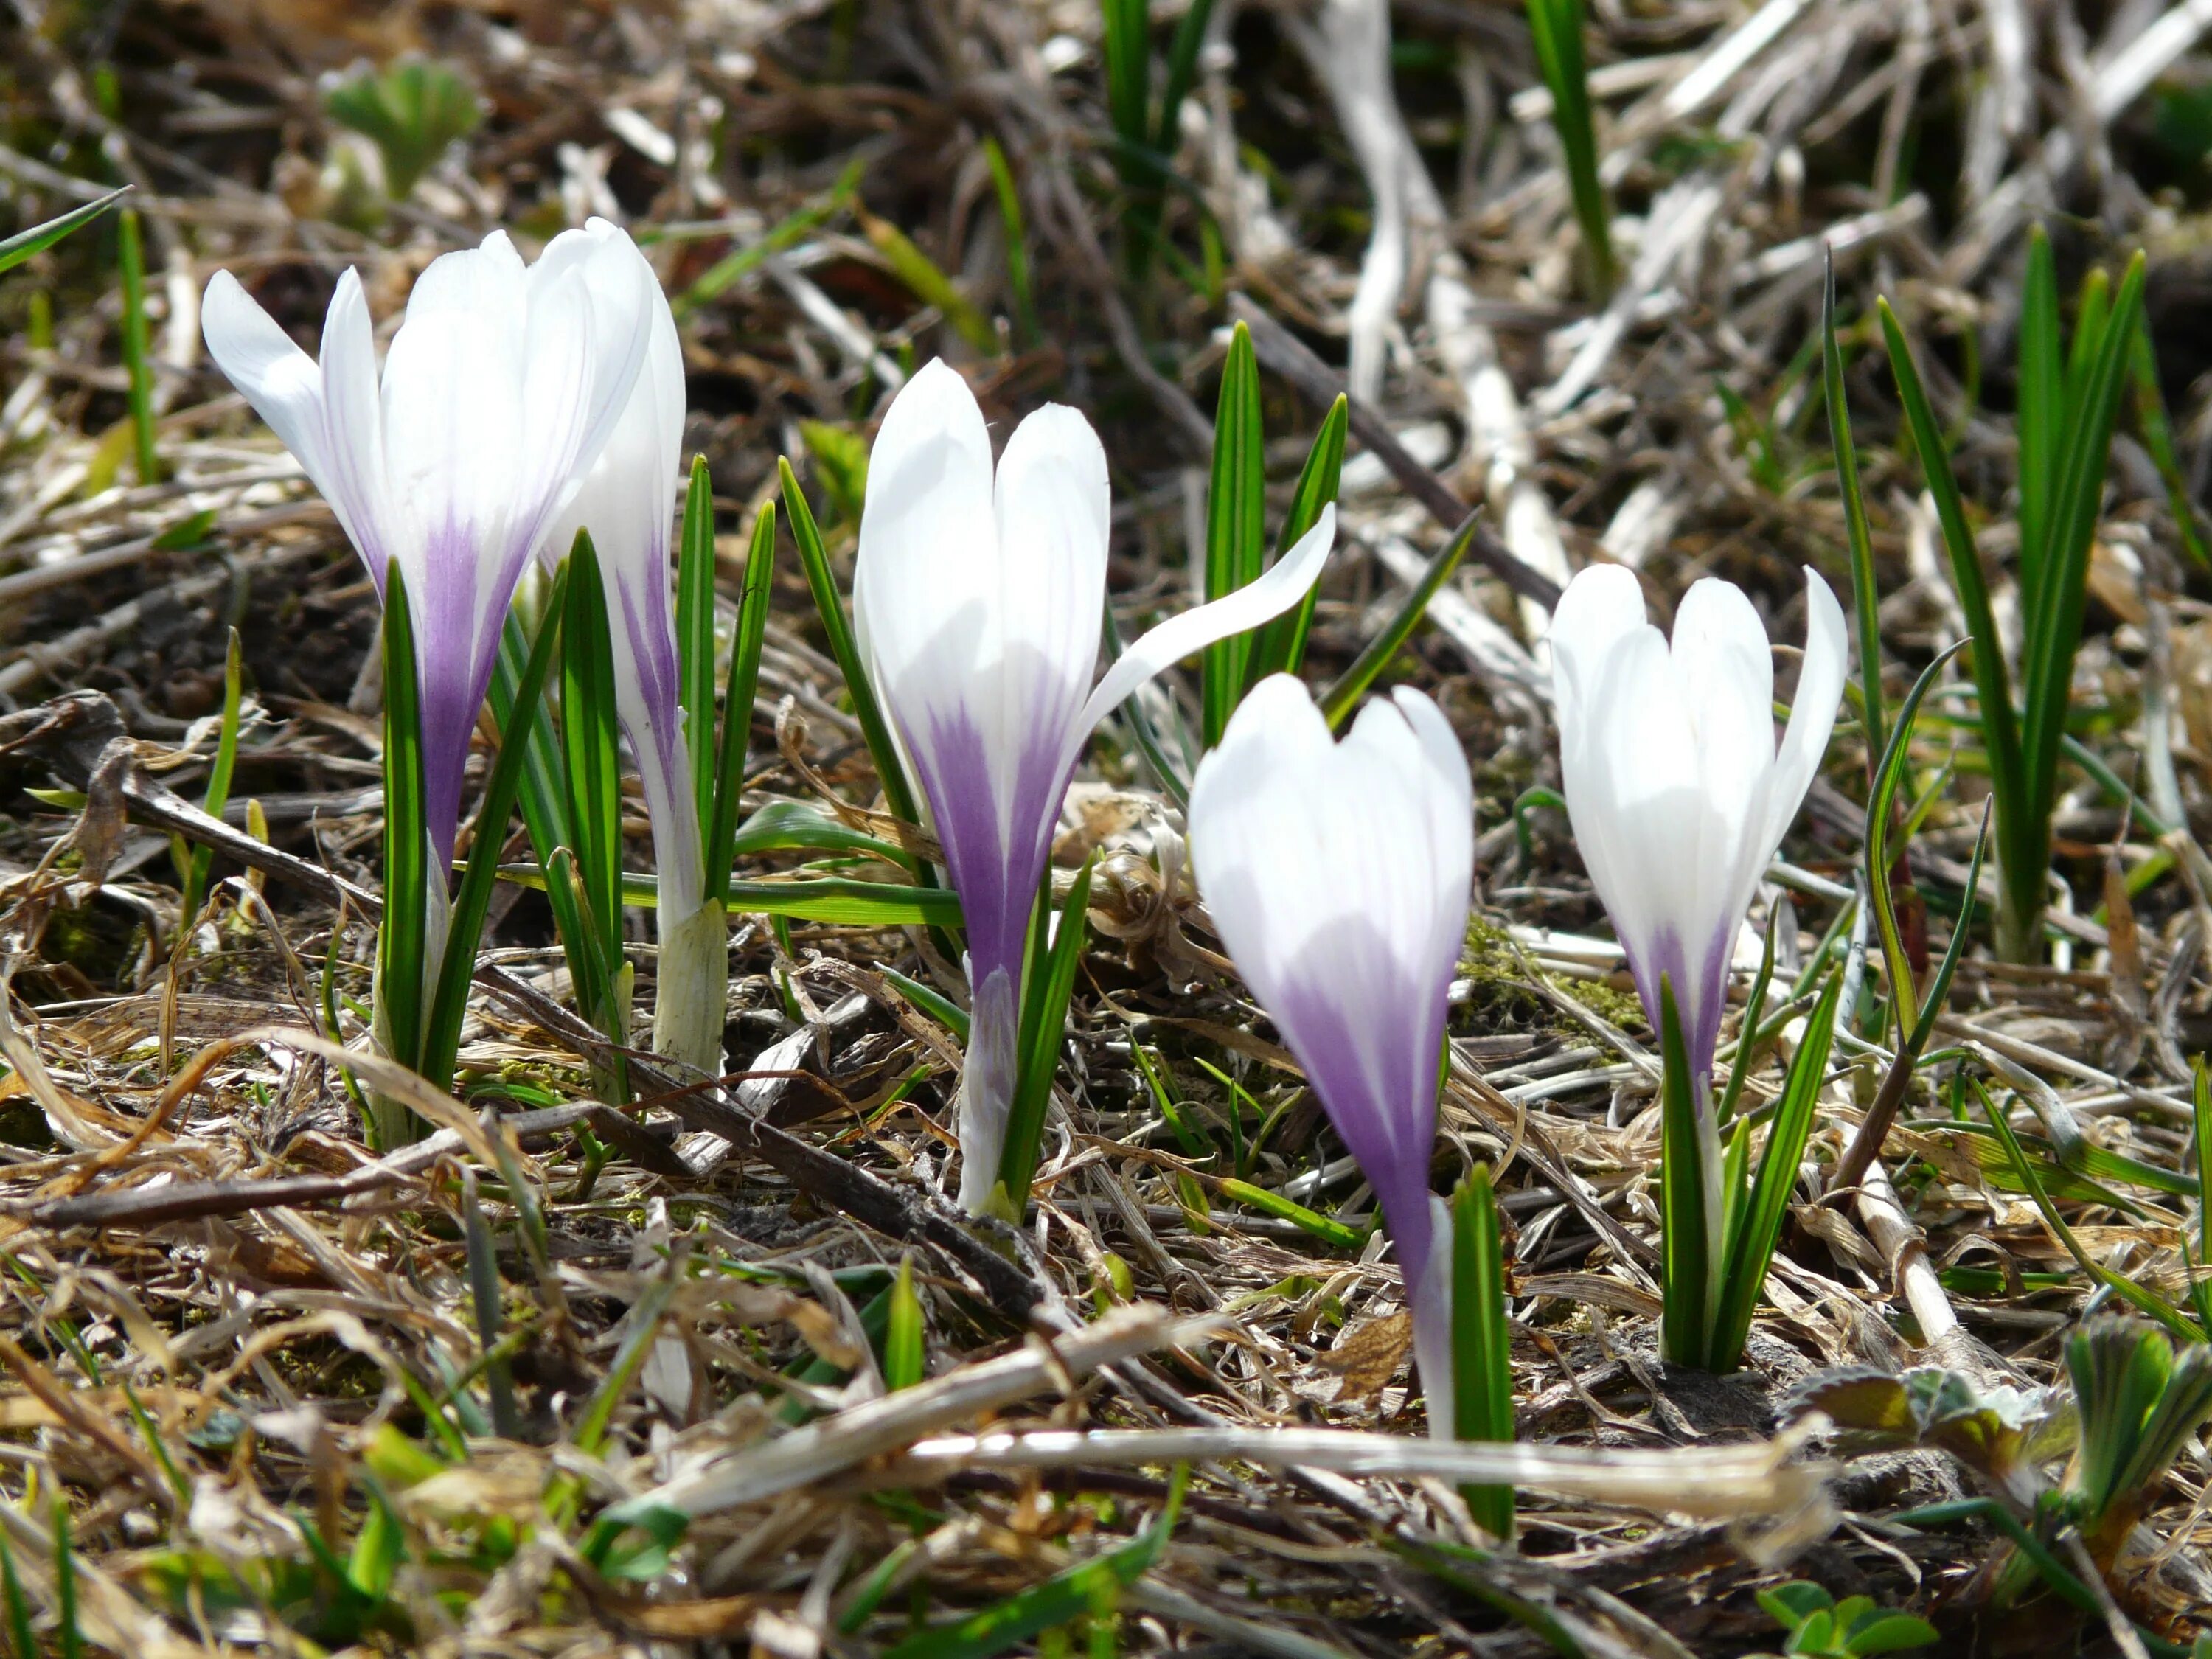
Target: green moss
<point>1503,999</point>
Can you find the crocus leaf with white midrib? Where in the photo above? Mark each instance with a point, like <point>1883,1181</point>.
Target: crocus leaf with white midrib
<point>1676,790</point>
<point>1338,875</point>
<point>976,602</point>
<point>498,391</point>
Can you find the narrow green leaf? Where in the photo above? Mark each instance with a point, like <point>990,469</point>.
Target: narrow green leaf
<point>2053,629</point>
<point>1083,1588</point>
<point>643,1325</point>
<point>407,872</point>
<point>2032,1183</point>
<point>1754,1009</point>
<point>591,740</point>
<point>903,1359</point>
<point>19,1606</point>
<point>1482,1376</point>
<point>1027,333</point>
<point>138,350</point>
<point>38,238</point>
<point>2019,853</point>
<point>932,1001</point>
<point>1556,27</point>
<point>544,794</point>
<point>928,283</point>
<point>1751,1248</point>
<point>1866,598</point>
<point>485,1298</point>
<point>1235,500</point>
<point>1268,1202</point>
<point>472,903</point>
<point>69,1640</point>
<point>200,860</point>
<point>1687,1265</point>
<point>837,903</point>
<point>695,634</point>
<point>1344,694</point>
<point>2151,419</point>
<point>814,559</point>
<point>1048,981</point>
<point>1880,862</point>
<point>1280,646</point>
<point>1182,71</point>
<point>728,779</point>
<point>788,233</point>
<point>2042,411</point>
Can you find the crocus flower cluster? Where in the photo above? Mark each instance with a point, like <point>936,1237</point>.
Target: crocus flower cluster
<point>498,392</point>
<point>978,600</point>
<point>1338,875</point>
<point>1678,794</point>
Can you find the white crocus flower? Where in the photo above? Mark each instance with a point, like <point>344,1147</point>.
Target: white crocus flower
<point>497,393</point>
<point>627,502</point>
<point>1337,874</point>
<point>977,600</point>
<point>1678,794</point>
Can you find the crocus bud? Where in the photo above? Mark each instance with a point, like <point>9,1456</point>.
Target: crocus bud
<point>1337,874</point>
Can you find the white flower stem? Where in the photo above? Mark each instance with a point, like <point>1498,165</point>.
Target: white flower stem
<point>987,1087</point>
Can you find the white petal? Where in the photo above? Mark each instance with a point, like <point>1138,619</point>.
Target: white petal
<point>330,426</point>
<point>928,536</point>
<point>1813,712</point>
<point>1602,606</point>
<point>1280,587</point>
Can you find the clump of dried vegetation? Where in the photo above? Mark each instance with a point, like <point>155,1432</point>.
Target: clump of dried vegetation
<point>726,1371</point>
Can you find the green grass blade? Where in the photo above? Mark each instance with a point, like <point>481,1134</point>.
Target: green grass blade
<point>1556,26</point>
<point>1343,697</point>
<point>1881,863</point>
<point>201,859</point>
<point>2042,411</point>
<point>1751,1248</point>
<point>1280,647</point>
<point>485,1299</point>
<point>591,744</point>
<point>904,1357</point>
<point>1329,1230</point>
<point>69,1638</point>
<point>1048,981</point>
<point>137,351</point>
<point>407,875</point>
<point>38,238</point>
<point>1182,71</point>
<point>1686,1264</point>
<point>788,233</point>
<point>19,1606</point>
<point>814,559</point>
<point>1482,1377</point>
<point>728,779</point>
<point>1019,281</point>
<point>2151,419</point>
<point>442,1032</point>
<point>839,903</point>
<point>1128,72</point>
<point>1865,595</point>
<point>1939,983</point>
<point>1754,1009</point>
<point>1236,501</point>
<point>2019,846</point>
<point>2053,629</point>
<point>544,795</point>
<point>2091,312</point>
<point>1083,1588</point>
<point>2031,1182</point>
<point>926,281</point>
<point>695,634</point>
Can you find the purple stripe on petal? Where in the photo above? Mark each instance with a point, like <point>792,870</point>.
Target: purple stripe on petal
<point>1700,991</point>
<point>1370,1039</point>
